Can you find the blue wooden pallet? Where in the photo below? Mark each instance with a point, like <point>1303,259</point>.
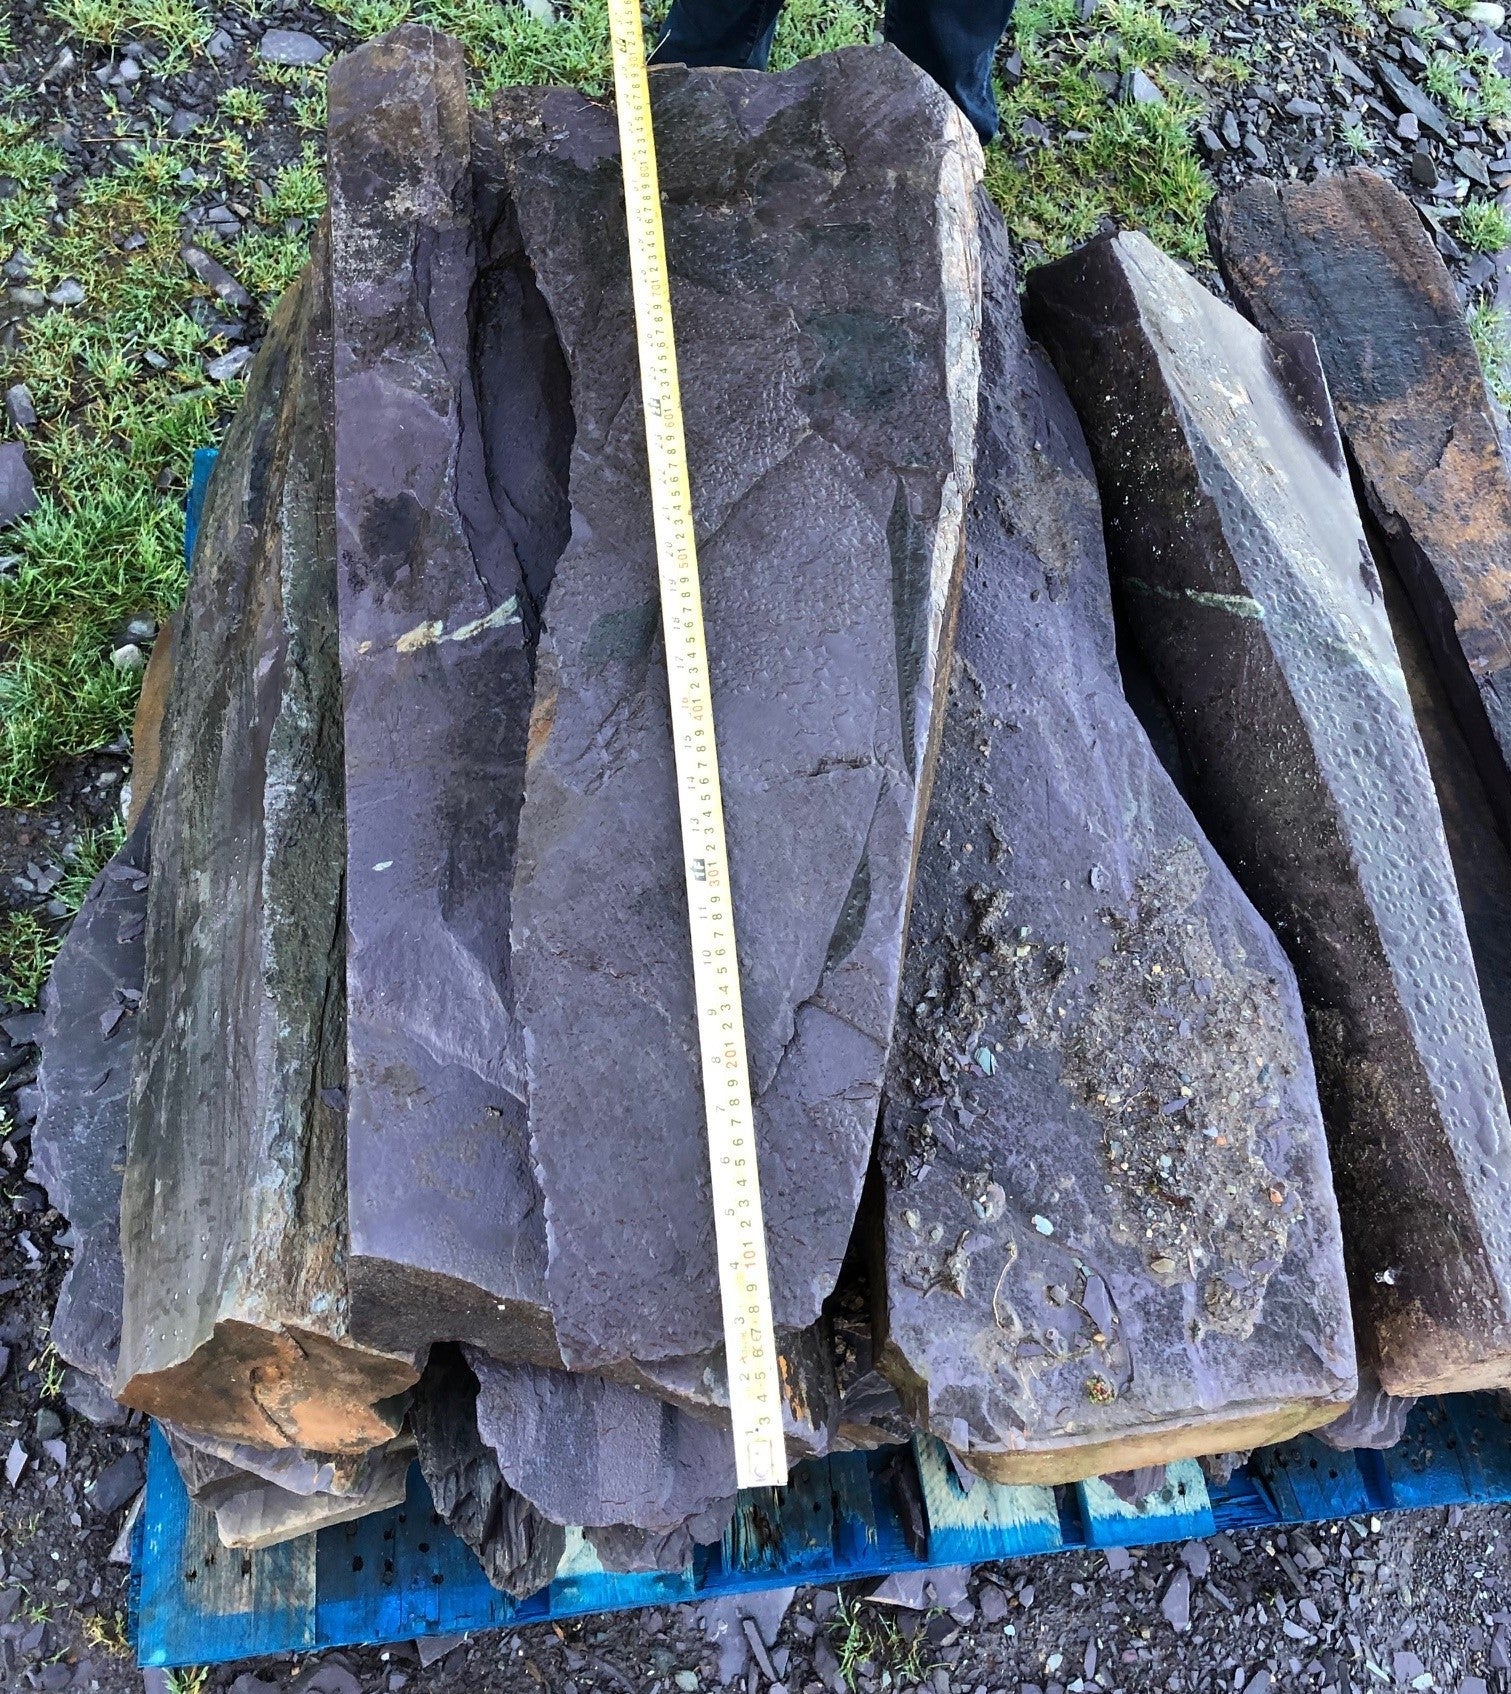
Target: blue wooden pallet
<point>402,1574</point>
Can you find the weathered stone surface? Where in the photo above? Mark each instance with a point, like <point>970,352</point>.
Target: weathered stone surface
<point>83,1085</point>
<point>603,1455</point>
<point>517,1547</point>
<point>1376,1419</point>
<point>18,493</point>
<point>1101,1085</point>
<point>1345,258</point>
<point>819,227</point>
<point>449,401</point>
<point>233,1210</point>
<point>147,723</point>
<point>259,1499</point>
<point>1235,541</point>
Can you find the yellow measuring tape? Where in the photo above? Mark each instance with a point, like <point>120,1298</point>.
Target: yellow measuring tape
<point>755,1396</point>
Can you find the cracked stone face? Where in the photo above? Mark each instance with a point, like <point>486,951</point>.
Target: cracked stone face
<point>1347,260</point>
<point>1108,1237</point>
<point>823,281</point>
<point>1238,551</point>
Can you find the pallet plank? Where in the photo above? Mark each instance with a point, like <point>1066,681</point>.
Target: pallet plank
<point>992,1521</point>
<point>1180,1510</point>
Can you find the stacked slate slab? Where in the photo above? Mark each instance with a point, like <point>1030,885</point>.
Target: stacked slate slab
<point>1249,588</point>
<point>235,1313</point>
<point>1346,259</point>
<point>1108,1238</point>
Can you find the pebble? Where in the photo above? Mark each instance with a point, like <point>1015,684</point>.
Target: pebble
<point>228,364</point>
<point>182,123</point>
<point>49,1425</point>
<point>20,408</point>
<point>69,292</point>
<point>18,493</point>
<point>1176,1604</point>
<point>687,1681</point>
<point>291,47</point>
<point>1408,127</point>
<point>1141,89</point>
<point>993,1603</point>
<point>1196,1556</point>
<point>15,1463</point>
<point>128,658</point>
<point>1487,13</point>
<point>1423,171</point>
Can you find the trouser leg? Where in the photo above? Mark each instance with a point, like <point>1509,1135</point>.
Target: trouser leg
<point>718,32</point>
<point>955,41</point>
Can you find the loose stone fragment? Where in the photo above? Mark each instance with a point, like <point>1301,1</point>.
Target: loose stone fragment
<point>1250,590</point>
<point>821,242</point>
<point>233,1229</point>
<point>601,1455</point>
<point>1346,259</point>
<point>80,1099</point>
<point>518,1548</point>
<point>443,504</point>
<point>1083,1266</point>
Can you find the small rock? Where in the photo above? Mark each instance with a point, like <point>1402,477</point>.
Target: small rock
<point>18,493</point>
<point>182,124</point>
<point>49,1425</point>
<point>57,1451</point>
<point>1486,13</point>
<point>220,44</point>
<point>1408,127</point>
<point>129,658</point>
<point>15,1463</point>
<point>1141,90</point>
<point>1468,163</point>
<point>1423,171</point>
<point>1118,1560</point>
<point>332,1678</point>
<point>115,1485</point>
<point>993,1603</point>
<point>687,1681</point>
<point>217,276</point>
<point>1231,135</point>
<point>1409,18</point>
<point>228,364</point>
<point>1299,108</point>
<point>1176,1604</point>
<point>433,1648</point>
<point>1196,1556</point>
<point>19,407</point>
<point>291,47</point>
<point>69,292</point>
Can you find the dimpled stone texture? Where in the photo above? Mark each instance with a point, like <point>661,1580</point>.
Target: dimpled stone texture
<point>434,530</point>
<point>1346,258</point>
<point>1241,563</point>
<point>233,1207</point>
<point>1100,1074</point>
<point>820,236</point>
<point>83,1085</point>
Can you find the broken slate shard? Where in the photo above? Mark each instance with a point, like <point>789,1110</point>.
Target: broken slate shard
<point>450,400</point>
<point>1247,584</point>
<point>603,1455</point>
<point>518,1548</point>
<point>233,1209</point>
<point>1108,1238</point>
<point>90,1007</point>
<point>1346,258</point>
<point>821,241</point>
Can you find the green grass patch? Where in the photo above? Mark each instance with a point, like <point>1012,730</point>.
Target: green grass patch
<point>1484,226</point>
<point>1490,330</point>
<point>27,948</point>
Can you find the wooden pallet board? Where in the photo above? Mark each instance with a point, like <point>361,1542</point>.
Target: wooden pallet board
<point>402,1574</point>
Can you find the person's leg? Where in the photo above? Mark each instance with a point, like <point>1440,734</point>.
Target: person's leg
<point>955,41</point>
<point>718,32</point>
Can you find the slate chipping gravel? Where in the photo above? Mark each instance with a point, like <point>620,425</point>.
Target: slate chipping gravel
<point>1421,1600</point>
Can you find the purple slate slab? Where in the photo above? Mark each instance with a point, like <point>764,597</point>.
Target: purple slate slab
<point>822,261</point>
<point>1101,1081</point>
<point>436,531</point>
<point>1248,586</point>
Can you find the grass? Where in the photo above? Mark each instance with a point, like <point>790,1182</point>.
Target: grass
<point>1490,330</point>
<point>1468,85</point>
<point>28,942</point>
<point>862,1635</point>
<point>119,381</point>
<point>1484,226</point>
<point>106,1634</point>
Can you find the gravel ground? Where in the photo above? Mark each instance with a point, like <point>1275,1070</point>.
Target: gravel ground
<point>1417,1601</point>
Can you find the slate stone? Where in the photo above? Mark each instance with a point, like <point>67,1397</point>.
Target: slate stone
<point>291,47</point>
<point>1346,259</point>
<point>115,1485</point>
<point>1409,98</point>
<point>1249,589</point>
<point>819,230</point>
<point>518,1549</point>
<point>600,1454</point>
<point>82,1090</point>
<point>233,1228</point>
<point>18,493</point>
<point>445,500</point>
<point>1376,1419</point>
<point>1101,1072</point>
<point>259,1502</point>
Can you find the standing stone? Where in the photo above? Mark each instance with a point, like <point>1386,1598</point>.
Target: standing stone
<point>1108,1236</point>
<point>1237,547</point>
<point>1345,257</point>
<point>233,1211</point>
<point>83,1084</point>
<point>448,400</point>
<point>518,1549</point>
<point>821,242</point>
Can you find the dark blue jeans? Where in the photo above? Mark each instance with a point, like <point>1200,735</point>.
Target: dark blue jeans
<point>953,40</point>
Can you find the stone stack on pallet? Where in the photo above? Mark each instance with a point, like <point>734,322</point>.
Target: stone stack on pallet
<point>395,1024</point>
